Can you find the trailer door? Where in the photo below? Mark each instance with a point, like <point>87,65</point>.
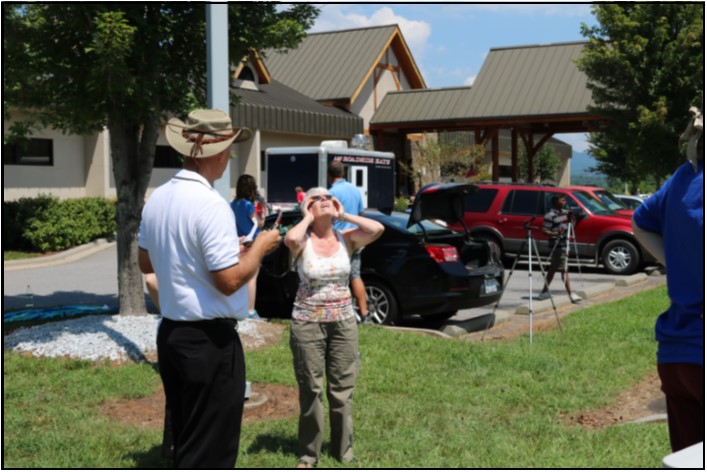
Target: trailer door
<point>358,175</point>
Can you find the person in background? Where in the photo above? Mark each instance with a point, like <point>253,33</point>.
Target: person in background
<point>248,223</point>
<point>299,192</point>
<point>188,240</point>
<point>323,330</point>
<point>555,226</point>
<point>261,205</point>
<point>670,225</point>
<point>350,197</point>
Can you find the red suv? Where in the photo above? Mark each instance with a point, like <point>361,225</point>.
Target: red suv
<point>604,196</point>
<point>499,212</point>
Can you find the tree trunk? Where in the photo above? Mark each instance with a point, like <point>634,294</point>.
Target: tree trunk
<point>131,170</point>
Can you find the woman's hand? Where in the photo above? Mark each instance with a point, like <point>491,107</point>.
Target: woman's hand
<point>307,207</point>
<point>338,209</point>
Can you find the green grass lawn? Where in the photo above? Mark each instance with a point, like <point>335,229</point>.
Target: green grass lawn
<point>420,402</point>
<point>17,255</point>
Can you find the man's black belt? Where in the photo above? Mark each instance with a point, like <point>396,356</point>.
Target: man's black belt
<point>230,321</point>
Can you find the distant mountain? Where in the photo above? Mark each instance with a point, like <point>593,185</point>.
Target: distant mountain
<point>580,173</point>
<point>581,162</point>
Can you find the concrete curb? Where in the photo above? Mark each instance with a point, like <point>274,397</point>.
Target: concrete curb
<point>632,279</point>
<point>69,255</point>
<point>544,305</point>
<point>651,418</point>
<point>596,290</point>
<point>429,332</point>
<point>477,323</point>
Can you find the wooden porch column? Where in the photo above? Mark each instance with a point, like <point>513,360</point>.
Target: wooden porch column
<point>495,171</point>
<point>514,155</point>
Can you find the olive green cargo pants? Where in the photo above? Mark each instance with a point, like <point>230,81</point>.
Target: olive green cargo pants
<point>319,349</point>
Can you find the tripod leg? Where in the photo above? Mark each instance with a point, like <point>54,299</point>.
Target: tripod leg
<point>505,284</point>
<point>552,300</point>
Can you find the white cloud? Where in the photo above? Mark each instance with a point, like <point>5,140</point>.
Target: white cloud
<point>548,9</point>
<point>578,141</point>
<point>337,17</point>
<point>470,80</point>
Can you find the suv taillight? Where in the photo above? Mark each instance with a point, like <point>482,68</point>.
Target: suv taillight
<point>443,253</point>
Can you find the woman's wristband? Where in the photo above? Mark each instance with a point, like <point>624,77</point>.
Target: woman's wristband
<point>342,216</point>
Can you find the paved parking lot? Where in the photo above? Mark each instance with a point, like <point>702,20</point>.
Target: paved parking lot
<point>92,280</point>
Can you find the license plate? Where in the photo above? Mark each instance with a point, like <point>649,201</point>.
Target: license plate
<point>490,286</point>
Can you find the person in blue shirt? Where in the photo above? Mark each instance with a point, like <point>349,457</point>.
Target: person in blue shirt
<point>248,224</point>
<point>350,198</point>
<point>670,225</point>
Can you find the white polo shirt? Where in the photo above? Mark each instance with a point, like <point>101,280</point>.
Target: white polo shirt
<point>189,231</point>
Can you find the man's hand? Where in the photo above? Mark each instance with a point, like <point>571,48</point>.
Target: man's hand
<point>268,240</point>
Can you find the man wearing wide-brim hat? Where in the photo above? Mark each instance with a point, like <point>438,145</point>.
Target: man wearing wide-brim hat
<point>188,239</point>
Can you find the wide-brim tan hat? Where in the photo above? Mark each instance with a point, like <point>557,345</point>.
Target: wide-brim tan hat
<point>205,133</point>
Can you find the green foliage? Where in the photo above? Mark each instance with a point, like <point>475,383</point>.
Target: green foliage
<point>401,204</point>
<point>125,66</point>
<point>645,65</point>
<point>420,401</point>
<point>444,156</point>
<point>46,223</point>
<point>16,214</point>
<point>546,164</point>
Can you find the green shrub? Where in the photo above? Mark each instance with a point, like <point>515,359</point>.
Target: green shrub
<point>401,204</point>
<point>15,215</point>
<point>46,223</point>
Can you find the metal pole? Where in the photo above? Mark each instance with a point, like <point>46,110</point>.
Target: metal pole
<point>530,284</point>
<point>217,91</point>
<point>217,70</point>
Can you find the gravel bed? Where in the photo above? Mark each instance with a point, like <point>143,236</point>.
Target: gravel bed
<point>116,337</point>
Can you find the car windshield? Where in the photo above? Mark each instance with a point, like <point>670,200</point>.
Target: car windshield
<point>610,201</point>
<point>400,220</point>
<point>592,204</point>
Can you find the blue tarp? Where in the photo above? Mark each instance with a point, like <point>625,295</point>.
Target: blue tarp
<point>32,314</point>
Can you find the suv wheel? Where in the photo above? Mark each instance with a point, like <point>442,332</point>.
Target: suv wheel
<point>620,257</point>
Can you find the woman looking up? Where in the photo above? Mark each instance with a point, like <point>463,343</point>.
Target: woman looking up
<point>323,331</point>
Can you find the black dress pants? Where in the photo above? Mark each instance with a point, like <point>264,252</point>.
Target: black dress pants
<point>203,372</point>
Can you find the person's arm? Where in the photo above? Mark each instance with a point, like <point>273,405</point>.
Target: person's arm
<point>368,230</point>
<point>153,289</point>
<point>143,260</point>
<point>651,242</point>
<point>259,218</point>
<point>296,236</point>
<point>230,279</point>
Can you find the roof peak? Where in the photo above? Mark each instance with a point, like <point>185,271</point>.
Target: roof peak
<point>544,45</point>
<point>393,25</point>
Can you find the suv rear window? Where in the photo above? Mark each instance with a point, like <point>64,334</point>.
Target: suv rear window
<point>480,201</point>
<point>523,202</point>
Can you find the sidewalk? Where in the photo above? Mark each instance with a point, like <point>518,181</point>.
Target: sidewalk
<point>69,255</point>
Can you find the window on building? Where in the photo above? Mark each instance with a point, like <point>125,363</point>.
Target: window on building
<point>505,172</point>
<point>34,152</point>
<point>167,158</point>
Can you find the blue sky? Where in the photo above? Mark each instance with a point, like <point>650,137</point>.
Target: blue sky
<point>450,41</point>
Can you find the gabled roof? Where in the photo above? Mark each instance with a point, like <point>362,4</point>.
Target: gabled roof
<point>333,66</point>
<point>276,107</point>
<point>531,81</point>
<point>516,83</point>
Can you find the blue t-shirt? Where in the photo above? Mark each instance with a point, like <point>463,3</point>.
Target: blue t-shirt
<point>677,212</point>
<point>350,198</point>
<point>243,209</point>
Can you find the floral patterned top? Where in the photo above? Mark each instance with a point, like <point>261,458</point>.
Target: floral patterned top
<point>323,295</point>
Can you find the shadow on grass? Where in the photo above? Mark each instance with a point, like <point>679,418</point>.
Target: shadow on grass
<point>274,444</point>
<point>151,459</point>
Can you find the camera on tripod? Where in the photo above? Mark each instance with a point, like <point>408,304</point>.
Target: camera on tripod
<point>527,224</point>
